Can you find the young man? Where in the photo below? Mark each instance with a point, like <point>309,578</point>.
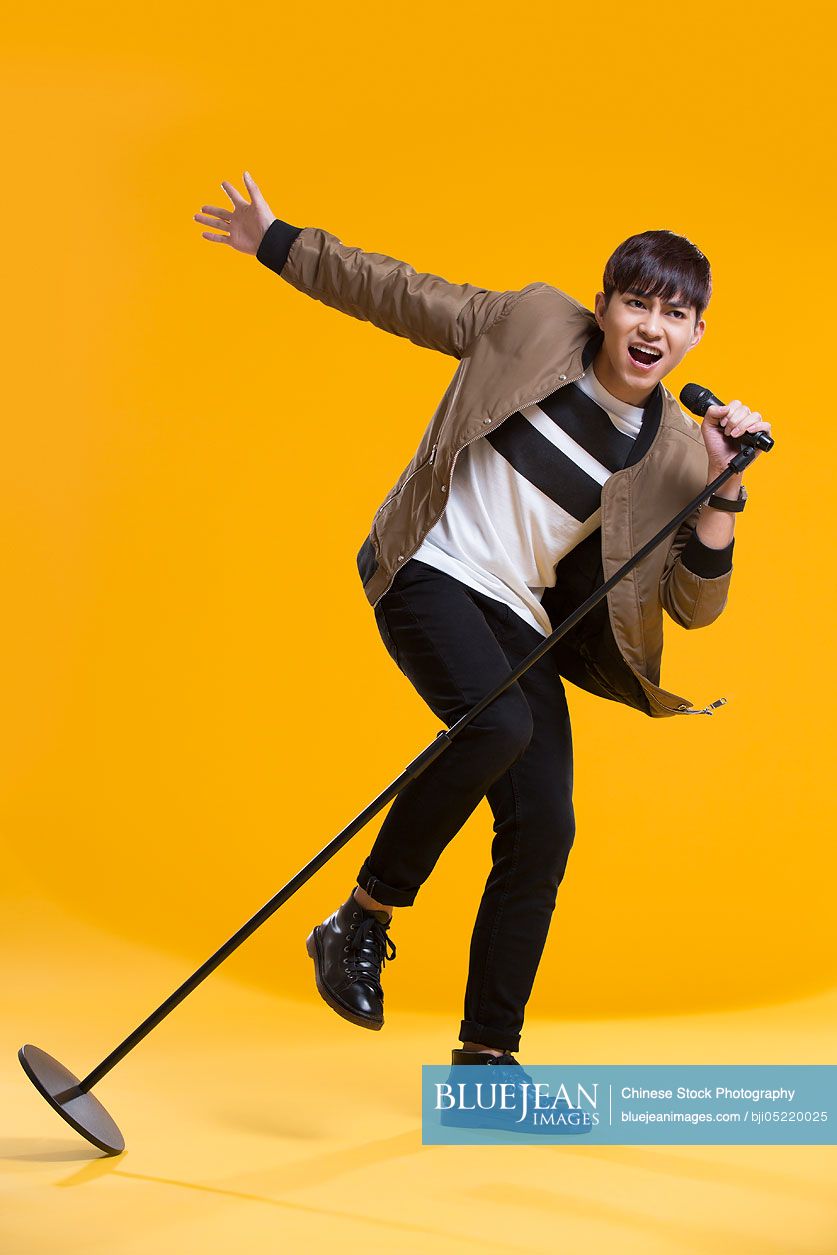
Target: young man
<point>553,455</point>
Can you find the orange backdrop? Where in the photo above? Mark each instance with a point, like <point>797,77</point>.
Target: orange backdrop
<point>196,698</point>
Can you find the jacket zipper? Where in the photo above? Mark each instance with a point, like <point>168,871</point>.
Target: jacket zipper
<point>704,710</point>
<point>412,475</point>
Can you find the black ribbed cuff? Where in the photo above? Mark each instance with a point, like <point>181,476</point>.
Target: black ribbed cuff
<point>276,244</point>
<point>705,561</point>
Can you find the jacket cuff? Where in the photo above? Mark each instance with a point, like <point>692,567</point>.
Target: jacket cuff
<point>705,561</point>
<point>276,244</point>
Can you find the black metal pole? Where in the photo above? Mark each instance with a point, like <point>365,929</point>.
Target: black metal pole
<point>418,765</point>
<point>360,821</point>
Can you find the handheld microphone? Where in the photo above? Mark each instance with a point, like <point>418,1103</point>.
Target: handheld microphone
<point>698,400</point>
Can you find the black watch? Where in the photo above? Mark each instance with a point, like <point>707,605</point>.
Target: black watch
<point>724,503</point>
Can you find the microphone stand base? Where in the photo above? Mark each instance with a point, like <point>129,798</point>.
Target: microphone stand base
<point>63,1092</point>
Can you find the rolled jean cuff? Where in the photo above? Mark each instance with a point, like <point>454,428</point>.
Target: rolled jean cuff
<point>498,1038</point>
<point>381,891</point>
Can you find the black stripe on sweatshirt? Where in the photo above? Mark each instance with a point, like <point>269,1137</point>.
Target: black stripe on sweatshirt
<point>588,425</point>
<point>538,460</point>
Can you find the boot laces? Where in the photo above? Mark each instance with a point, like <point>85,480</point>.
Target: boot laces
<point>369,948</point>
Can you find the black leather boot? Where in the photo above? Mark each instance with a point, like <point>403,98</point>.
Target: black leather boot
<point>349,949</point>
<point>514,1112</point>
<point>505,1060</point>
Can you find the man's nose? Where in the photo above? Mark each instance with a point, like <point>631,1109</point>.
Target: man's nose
<point>651,325</point>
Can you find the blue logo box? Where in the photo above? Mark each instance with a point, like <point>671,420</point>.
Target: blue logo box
<point>643,1105</point>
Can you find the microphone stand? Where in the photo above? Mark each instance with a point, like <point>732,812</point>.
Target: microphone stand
<point>71,1097</point>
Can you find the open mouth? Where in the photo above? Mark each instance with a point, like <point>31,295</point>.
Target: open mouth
<point>646,357</point>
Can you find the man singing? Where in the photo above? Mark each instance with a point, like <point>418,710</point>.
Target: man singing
<point>554,454</point>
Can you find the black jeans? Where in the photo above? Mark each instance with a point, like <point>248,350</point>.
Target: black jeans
<point>455,645</point>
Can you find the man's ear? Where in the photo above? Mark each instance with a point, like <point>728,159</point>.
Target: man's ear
<point>697,334</point>
<point>599,308</point>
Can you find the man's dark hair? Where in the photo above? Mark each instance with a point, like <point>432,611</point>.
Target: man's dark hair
<point>660,263</point>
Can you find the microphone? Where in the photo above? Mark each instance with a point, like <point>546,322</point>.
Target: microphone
<point>698,400</point>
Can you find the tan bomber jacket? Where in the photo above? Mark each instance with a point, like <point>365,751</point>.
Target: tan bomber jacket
<point>514,348</point>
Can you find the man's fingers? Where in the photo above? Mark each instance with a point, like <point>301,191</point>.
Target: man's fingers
<point>212,222</point>
<point>735,413</point>
<point>217,212</point>
<point>219,239</point>
<point>738,421</point>
<point>753,423</point>
<point>251,185</point>
<point>234,195</point>
<point>734,419</point>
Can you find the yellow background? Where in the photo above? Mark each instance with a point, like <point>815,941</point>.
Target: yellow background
<point>195,695</point>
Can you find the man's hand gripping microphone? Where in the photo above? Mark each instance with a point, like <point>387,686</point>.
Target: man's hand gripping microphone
<point>698,400</point>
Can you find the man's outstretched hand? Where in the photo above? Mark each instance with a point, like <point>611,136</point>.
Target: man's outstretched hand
<point>245,223</point>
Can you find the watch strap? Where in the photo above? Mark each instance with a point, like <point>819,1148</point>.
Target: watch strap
<point>723,503</point>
